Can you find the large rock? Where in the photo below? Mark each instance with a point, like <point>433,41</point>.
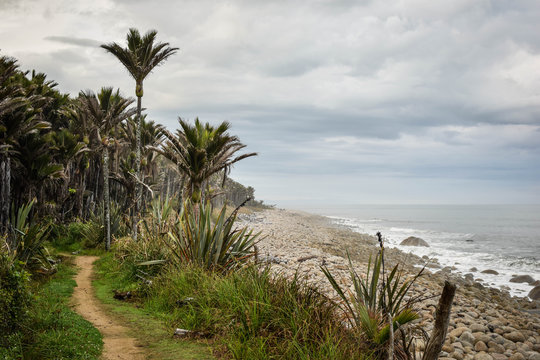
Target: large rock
<point>535,293</point>
<point>522,279</point>
<point>414,241</point>
<point>490,271</point>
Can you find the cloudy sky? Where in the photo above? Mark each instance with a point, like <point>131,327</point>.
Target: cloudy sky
<point>416,101</point>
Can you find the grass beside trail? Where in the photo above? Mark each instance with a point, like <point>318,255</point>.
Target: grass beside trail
<point>54,330</point>
<point>151,332</point>
<point>247,314</point>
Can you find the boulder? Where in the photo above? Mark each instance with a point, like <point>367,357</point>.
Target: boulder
<point>535,293</point>
<point>490,271</point>
<point>414,241</point>
<point>522,279</point>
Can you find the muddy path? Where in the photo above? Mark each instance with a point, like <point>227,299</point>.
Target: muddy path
<point>117,343</point>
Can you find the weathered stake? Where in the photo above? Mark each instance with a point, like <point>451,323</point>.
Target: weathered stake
<point>442,318</point>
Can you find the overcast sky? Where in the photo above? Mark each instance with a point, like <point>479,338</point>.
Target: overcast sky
<point>416,101</point>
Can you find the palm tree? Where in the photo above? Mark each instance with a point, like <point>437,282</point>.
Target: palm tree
<point>199,151</point>
<point>140,57</point>
<point>105,111</point>
<point>18,110</point>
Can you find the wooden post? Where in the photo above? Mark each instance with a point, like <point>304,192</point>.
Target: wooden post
<point>442,318</point>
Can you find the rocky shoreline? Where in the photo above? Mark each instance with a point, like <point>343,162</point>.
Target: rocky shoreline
<point>485,324</point>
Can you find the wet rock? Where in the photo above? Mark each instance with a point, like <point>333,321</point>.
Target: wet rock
<point>490,271</point>
<point>414,241</point>
<point>535,293</point>
<point>522,279</point>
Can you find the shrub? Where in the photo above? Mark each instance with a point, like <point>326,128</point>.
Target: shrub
<point>15,298</point>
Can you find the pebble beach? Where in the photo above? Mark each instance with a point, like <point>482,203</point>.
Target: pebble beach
<point>485,323</point>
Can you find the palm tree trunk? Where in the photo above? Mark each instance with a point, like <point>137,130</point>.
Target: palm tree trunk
<point>106,198</point>
<point>138,188</point>
<point>5,192</point>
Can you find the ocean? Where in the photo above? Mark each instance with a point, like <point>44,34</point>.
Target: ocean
<point>504,238</point>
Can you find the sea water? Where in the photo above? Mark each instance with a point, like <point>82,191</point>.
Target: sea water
<point>504,238</point>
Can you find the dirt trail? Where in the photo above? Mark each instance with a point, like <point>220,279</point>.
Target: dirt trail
<point>117,344</point>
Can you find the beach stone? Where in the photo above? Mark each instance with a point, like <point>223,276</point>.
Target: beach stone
<point>517,356</point>
<point>490,271</point>
<point>473,269</point>
<point>533,355</point>
<point>482,337</point>
<point>482,356</point>
<point>458,355</point>
<point>414,241</point>
<point>535,293</point>
<point>495,348</point>
<point>458,331</point>
<point>467,337</point>
<point>448,348</point>
<point>499,357</point>
<point>515,336</point>
<point>522,279</point>
<point>480,346</point>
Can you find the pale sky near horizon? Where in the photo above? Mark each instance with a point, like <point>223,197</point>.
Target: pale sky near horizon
<point>345,101</point>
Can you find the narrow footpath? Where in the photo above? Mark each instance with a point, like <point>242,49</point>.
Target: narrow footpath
<point>117,344</point>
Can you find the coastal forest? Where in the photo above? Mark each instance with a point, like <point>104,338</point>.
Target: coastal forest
<point>90,182</point>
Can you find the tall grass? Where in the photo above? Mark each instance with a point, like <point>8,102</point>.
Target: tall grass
<point>248,313</point>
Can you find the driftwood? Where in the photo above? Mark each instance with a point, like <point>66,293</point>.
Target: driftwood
<point>442,318</point>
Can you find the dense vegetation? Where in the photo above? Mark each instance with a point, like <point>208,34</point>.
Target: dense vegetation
<point>92,172</point>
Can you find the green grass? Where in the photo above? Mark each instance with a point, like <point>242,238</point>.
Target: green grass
<point>53,330</point>
<point>151,332</point>
<point>247,314</point>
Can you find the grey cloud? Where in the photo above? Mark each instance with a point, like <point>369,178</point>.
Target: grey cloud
<point>74,41</point>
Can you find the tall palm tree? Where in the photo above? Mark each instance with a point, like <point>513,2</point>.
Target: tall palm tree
<point>105,111</point>
<point>140,57</point>
<point>199,151</point>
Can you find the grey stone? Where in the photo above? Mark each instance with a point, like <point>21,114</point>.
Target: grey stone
<point>490,271</point>
<point>414,241</point>
<point>522,279</point>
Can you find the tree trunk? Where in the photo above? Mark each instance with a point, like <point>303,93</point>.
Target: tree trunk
<point>106,198</point>
<point>5,192</point>
<point>138,186</point>
<point>442,318</point>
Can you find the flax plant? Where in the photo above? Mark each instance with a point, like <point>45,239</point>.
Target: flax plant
<point>212,245</point>
<point>374,301</point>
